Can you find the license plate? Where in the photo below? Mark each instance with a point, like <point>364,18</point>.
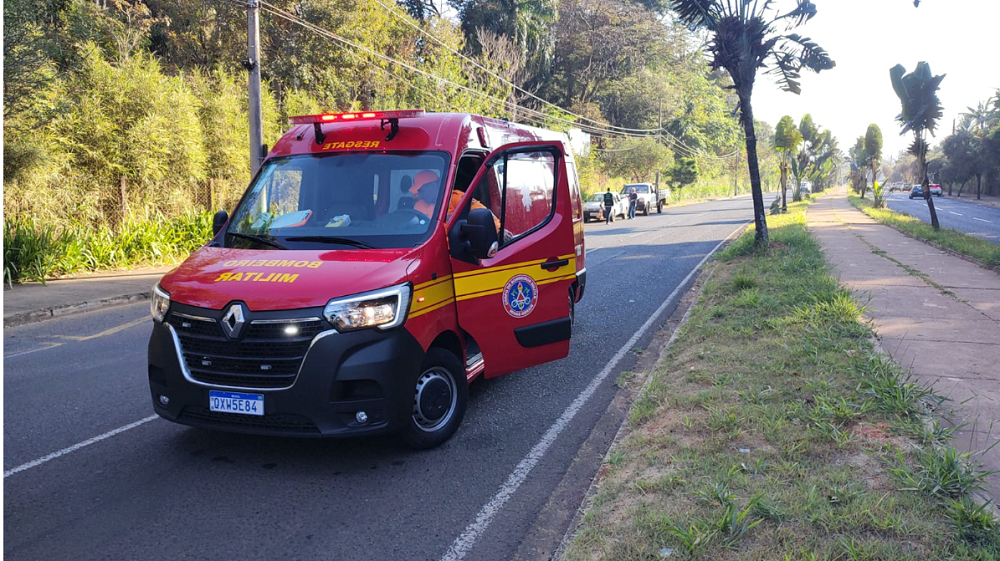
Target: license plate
<point>235,402</point>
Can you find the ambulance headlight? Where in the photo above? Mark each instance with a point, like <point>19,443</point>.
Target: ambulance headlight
<point>384,309</point>
<point>159,303</point>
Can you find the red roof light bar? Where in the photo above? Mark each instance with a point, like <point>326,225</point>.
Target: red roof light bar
<point>361,116</point>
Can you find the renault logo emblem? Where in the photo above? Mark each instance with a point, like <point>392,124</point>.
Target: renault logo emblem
<point>232,322</point>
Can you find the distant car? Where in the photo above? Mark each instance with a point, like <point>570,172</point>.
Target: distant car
<point>906,187</point>
<point>896,186</point>
<point>593,209</point>
<point>805,187</point>
<point>916,192</point>
<point>935,189</point>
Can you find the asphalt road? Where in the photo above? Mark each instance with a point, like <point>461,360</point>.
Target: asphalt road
<point>982,221</point>
<point>156,490</point>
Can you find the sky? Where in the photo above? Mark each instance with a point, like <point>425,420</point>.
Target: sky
<point>958,38</point>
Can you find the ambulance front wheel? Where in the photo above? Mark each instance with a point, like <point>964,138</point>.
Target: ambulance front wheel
<point>440,395</point>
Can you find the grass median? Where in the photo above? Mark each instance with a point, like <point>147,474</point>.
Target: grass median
<point>987,253</point>
<point>771,429</point>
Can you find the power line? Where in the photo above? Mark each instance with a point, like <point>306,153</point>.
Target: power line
<point>426,33</point>
<point>538,116</point>
<point>321,31</point>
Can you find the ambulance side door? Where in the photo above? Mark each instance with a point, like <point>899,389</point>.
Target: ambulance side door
<point>515,303</point>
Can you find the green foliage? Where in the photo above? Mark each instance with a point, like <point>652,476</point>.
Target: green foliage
<point>878,195</point>
<point>786,136</point>
<point>683,172</point>
<point>940,472</point>
<point>636,158</point>
<point>917,92</point>
<point>35,251</point>
<point>975,524</point>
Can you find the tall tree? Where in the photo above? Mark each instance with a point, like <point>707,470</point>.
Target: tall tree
<point>921,110</point>
<point>786,141</point>
<point>744,39</point>
<point>873,152</point>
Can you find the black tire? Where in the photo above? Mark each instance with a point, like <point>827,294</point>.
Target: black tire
<point>659,207</point>
<point>612,219</point>
<point>645,210</point>
<point>440,396</point>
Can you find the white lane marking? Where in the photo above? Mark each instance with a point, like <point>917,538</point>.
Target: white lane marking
<point>110,331</point>
<point>981,220</point>
<point>958,213</point>
<point>12,355</point>
<point>464,543</point>
<point>75,447</point>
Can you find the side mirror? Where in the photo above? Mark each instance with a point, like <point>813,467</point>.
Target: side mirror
<point>475,237</point>
<point>218,221</point>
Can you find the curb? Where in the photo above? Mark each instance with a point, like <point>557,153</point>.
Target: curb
<point>35,316</point>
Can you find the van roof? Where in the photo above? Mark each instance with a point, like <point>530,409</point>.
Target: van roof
<point>450,132</point>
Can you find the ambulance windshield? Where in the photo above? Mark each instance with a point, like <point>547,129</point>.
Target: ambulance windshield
<point>341,200</point>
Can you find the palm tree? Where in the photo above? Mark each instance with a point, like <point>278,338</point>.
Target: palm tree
<point>786,141</point>
<point>873,152</point>
<point>745,39</point>
<point>917,92</point>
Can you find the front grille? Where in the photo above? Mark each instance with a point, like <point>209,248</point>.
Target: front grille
<point>266,358</point>
<point>281,422</point>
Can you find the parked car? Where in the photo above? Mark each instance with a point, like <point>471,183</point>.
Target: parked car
<point>916,192</point>
<point>935,189</point>
<point>649,197</point>
<point>805,187</point>
<point>593,209</point>
<point>896,186</point>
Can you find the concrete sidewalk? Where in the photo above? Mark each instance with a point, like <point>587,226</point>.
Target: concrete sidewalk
<point>31,302</point>
<point>936,314</point>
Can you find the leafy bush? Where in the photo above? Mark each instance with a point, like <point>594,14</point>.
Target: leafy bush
<point>33,251</point>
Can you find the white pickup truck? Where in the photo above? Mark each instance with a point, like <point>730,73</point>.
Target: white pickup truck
<point>649,196</point>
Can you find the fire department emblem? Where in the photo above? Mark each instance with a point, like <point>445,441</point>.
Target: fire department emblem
<point>520,296</point>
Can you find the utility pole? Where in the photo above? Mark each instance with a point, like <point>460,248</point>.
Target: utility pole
<point>736,174</point>
<point>253,65</point>
<point>659,126</point>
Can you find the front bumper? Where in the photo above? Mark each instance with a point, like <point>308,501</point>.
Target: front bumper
<point>341,374</point>
<point>593,214</point>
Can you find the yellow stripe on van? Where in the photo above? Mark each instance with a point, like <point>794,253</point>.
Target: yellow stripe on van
<point>491,281</point>
<point>432,295</point>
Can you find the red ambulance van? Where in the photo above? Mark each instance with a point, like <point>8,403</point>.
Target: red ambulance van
<point>378,263</point>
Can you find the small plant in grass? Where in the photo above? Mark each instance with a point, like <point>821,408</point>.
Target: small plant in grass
<point>734,524</point>
<point>933,434</point>
<point>747,298</point>
<point>717,495</point>
<point>693,539</point>
<point>976,524</point>
<point>942,472</point>
<point>890,390</point>
<point>742,282</point>
<point>839,410</point>
<point>721,420</point>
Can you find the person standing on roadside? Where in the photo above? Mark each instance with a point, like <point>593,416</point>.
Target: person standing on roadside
<point>633,198</point>
<point>609,206</point>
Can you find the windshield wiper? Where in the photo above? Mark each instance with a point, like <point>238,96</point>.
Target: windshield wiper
<point>258,239</point>
<point>331,239</point>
